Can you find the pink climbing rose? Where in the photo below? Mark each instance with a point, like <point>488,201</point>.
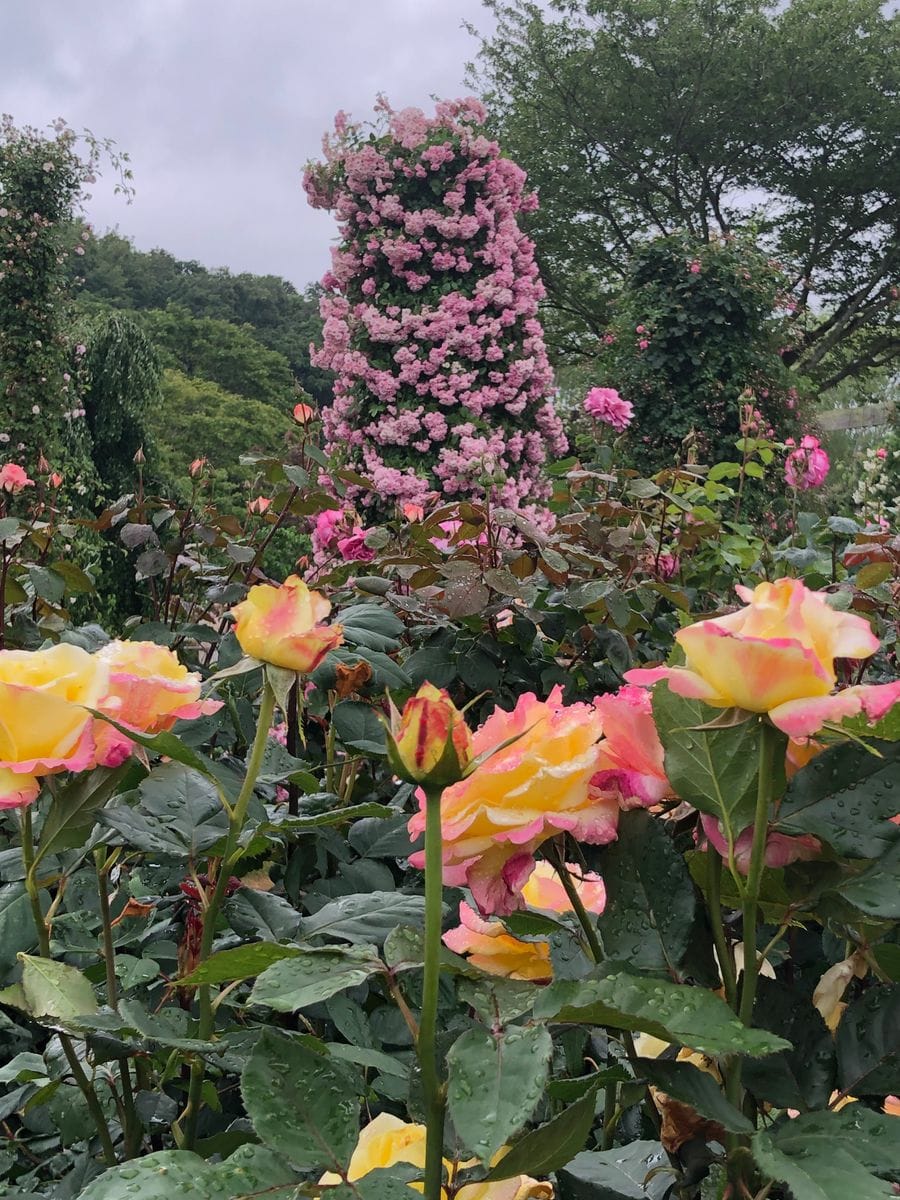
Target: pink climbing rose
<point>606,405</point>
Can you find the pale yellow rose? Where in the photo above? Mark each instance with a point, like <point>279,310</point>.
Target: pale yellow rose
<point>387,1140</point>
<point>543,889</point>
<point>829,991</point>
<point>284,625</point>
<point>492,949</point>
<point>44,725</point>
<point>535,787</point>
<point>776,655</point>
<point>149,690</point>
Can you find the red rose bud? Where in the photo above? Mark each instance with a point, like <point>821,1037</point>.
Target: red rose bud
<point>429,742</point>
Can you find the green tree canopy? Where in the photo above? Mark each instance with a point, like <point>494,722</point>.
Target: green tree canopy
<point>283,319</point>
<point>640,118</point>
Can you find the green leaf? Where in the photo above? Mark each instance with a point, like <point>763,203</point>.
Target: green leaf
<point>180,814</point>
<point>690,1085</point>
<point>868,1043</point>
<point>254,914</point>
<point>495,1082</point>
<point>550,1146</point>
<point>497,999</point>
<point>616,1174</point>
<point>367,917</point>
<point>846,796</point>
<point>712,769</point>
<point>876,890</point>
<point>17,931</point>
<point>302,1104</point>
<point>55,991</point>
<point>181,1175</point>
<point>73,809</point>
<point>372,626</point>
<point>358,728</point>
<point>687,1016</point>
<point>310,976</point>
<point>832,1155</point>
<point>243,962</point>
<point>802,1077</point>
<point>650,903</point>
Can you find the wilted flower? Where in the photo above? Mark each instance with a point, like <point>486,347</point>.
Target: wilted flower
<point>304,413</point>
<point>258,505</point>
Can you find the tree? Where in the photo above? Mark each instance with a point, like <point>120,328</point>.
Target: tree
<point>431,313</point>
<point>640,118</point>
<point>691,339</point>
<point>229,355</point>
<point>282,319</point>
<point>120,384</point>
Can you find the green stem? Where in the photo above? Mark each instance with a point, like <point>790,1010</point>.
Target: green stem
<point>43,935</point>
<point>768,743</point>
<point>610,1108</point>
<point>589,926</point>
<point>131,1126</point>
<point>426,1046</point>
<point>714,907</point>
<point>207,1016</point>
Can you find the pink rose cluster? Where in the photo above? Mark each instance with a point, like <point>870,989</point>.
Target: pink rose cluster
<point>806,466</point>
<point>430,313</point>
<point>607,406</point>
<point>337,532</point>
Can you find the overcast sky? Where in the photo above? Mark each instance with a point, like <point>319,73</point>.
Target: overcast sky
<point>220,102</point>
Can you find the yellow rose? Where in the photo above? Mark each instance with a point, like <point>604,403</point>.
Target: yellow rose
<point>776,656</point>
<point>43,723</point>
<point>149,690</point>
<point>537,786</point>
<point>283,625</point>
<point>544,890</point>
<point>490,948</point>
<point>387,1141</point>
<point>430,740</point>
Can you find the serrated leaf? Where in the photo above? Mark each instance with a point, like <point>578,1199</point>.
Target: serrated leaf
<point>550,1146</point>
<point>367,917</point>
<point>303,1104</point>
<point>182,1175</point>
<point>687,1083</point>
<point>687,1016</point>
<point>310,976</point>
<point>73,810</point>
<point>832,1155</point>
<point>620,1174</point>
<point>876,890</point>
<point>802,1077</point>
<point>868,1043</point>
<point>55,991</point>
<point>180,814</point>
<point>242,962</point>
<point>358,728</point>
<point>650,903</point>
<point>495,1082</point>
<point>712,769</point>
<point>846,796</point>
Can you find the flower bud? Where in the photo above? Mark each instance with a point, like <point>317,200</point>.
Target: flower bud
<point>429,742</point>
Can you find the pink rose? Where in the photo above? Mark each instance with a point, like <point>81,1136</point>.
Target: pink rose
<point>606,405</point>
<point>354,548</point>
<point>13,478</point>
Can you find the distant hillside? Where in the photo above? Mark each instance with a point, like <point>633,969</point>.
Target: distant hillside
<point>279,318</point>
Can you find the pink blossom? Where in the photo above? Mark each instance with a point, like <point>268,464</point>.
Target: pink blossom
<point>606,405</point>
<point>354,548</point>
<point>13,478</point>
<point>694,267</point>
<point>643,344</point>
<point>881,452</point>
<point>807,466</point>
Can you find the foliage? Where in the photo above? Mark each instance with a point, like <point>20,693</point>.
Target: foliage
<point>650,117</point>
<point>692,337</point>
<point>431,313</point>
<point>222,353</point>
<point>282,319</point>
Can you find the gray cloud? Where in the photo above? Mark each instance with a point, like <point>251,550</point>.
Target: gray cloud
<point>220,102</point>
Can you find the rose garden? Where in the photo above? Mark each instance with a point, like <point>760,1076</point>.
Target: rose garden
<point>491,787</point>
